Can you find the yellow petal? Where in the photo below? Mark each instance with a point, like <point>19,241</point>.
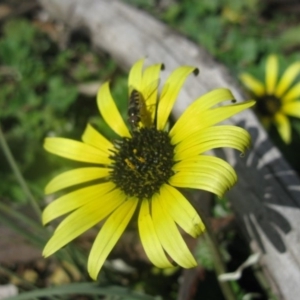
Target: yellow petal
<point>73,200</point>
<point>292,94</point>
<point>108,202</point>
<point>292,109</point>
<point>287,79</point>
<point>200,181</point>
<point>110,112</point>
<point>83,219</point>
<point>109,235</point>
<point>213,167</point>
<point>149,239</point>
<point>206,119</point>
<point>200,105</point>
<point>252,84</point>
<point>169,235</point>
<point>76,150</point>
<point>181,211</point>
<point>150,84</point>
<point>271,74</point>
<point>204,172</point>
<point>92,137</point>
<point>74,177</point>
<point>283,126</point>
<point>209,100</point>
<point>170,92</point>
<point>220,114</point>
<point>135,75</point>
<point>211,138</point>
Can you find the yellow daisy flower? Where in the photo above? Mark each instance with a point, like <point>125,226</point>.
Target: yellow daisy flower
<point>143,169</point>
<point>276,99</point>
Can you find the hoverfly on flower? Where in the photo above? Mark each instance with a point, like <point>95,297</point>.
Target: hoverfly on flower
<point>140,107</point>
<point>137,111</point>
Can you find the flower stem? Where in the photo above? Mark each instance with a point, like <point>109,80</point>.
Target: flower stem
<point>218,261</point>
<point>18,174</point>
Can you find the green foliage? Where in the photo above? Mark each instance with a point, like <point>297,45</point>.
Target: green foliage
<point>221,208</point>
<point>227,29</point>
<point>204,256</point>
<point>85,288</point>
<point>37,97</point>
<point>290,38</point>
<point>33,93</point>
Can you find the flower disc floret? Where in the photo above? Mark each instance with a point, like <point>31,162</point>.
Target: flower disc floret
<point>143,163</point>
<point>268,105</point>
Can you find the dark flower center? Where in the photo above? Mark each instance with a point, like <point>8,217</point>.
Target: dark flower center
<point>142,163</point>
<point>268,105</point>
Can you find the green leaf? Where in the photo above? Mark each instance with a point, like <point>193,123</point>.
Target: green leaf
<point>204,255</point>
<point>290,37</point>
<point>83,288</point>
<point>60,95</point>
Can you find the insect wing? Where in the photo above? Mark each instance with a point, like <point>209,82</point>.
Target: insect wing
<point>135,103</point>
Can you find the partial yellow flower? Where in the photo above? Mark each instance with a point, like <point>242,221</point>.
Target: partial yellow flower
<point>143,169</point>
<point>276,98</point>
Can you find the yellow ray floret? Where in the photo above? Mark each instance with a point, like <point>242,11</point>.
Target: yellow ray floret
<point>272,74</point>
<point>293,94</point>
<point>92,137</point>
<point>181,211</point>
<point>75,199</point>
<point>283,126</point>
<point>253,84</point>
<point>149,238</point>
<point>211,138</point>
<point>111,231</point>
<point>81,220</point>
<point>287,79</point>
<point>170,92</point>
<point>110,112</point>
<point>169,235</point>
<point>74,177</point>
<point>135,74</point>
<point>208,118</point>
<point>76,151</point>
<point>149,87</point>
